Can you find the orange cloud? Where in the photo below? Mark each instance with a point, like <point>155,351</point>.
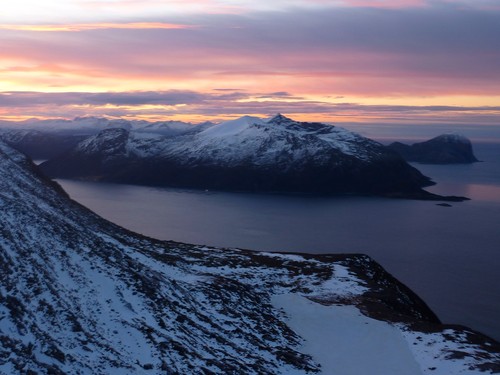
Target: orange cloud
<point>324,58</point>
<point>220,104</point>
<point>94,26</point>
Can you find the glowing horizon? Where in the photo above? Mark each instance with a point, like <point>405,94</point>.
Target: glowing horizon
<point>337,61</point>
<point>92,26</point>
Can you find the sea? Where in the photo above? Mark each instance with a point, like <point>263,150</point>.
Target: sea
<point>450,256</point>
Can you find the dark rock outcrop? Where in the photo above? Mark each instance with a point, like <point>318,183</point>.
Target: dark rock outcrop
<point>444,149</point>
<point>40,145</point>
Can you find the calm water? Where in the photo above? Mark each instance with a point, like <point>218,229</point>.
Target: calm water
<point>449,256</point>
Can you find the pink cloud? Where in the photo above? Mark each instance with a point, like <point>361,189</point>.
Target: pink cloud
<point>358,52</point>
<point>395,4</point>
<point>74,27</point>
<point>214,104</point>
<point>190,55</point>
<point>153,7</point>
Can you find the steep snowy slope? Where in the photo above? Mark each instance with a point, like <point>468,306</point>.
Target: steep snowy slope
<point>79,295</point>
<point>250,154</point>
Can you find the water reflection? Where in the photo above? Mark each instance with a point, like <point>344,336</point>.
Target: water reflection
<point>480,192</point>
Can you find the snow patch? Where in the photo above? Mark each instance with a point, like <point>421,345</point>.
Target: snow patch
<point>342,283</point>
<point>345,342</point>
<point>232,127</point>
<point>435,352</point>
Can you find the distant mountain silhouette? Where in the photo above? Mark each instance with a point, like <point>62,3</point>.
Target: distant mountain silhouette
<point>444,149</point>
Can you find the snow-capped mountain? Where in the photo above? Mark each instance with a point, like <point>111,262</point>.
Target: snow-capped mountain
<point>252,154</point>
<point>443,149</point>
<point>80,295</point>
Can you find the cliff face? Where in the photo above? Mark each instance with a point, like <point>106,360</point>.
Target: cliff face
<point>81,295</point>
<point>444,149</point>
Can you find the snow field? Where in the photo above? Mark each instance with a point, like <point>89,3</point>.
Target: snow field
<point>345,342</point>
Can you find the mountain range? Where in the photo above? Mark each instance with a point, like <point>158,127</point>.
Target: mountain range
<point>248,154</point>
<point>45,139</point>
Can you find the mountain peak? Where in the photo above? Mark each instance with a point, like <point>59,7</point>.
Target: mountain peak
<point>231,127</point>
<point>280,119</point>
<point>111,140</point>
<point>79,118</point>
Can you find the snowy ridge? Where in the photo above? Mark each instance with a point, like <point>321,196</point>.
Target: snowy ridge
<point>246,139</point>
<point>110,141</point>
<point>164,127</point>
<point>92,125</point>
<point>80,295</point>
<point>231,127</point>
<point>266,141</point>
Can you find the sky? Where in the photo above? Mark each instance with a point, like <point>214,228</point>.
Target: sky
<point>341,61</point>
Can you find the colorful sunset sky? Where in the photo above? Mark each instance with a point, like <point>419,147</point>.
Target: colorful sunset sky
<point>380,61</point>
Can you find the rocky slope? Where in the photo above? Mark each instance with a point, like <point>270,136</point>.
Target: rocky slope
<point>79,295</point>
<point>443,149</point>
<point>251,154</point>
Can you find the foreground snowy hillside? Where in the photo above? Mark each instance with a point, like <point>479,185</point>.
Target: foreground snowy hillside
<point>250,154</point>
<point>80,295</point>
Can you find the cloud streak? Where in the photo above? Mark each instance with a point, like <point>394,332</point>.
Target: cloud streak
<point>94,26</point>
<point>227,104</point>
<point>432,46</point>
